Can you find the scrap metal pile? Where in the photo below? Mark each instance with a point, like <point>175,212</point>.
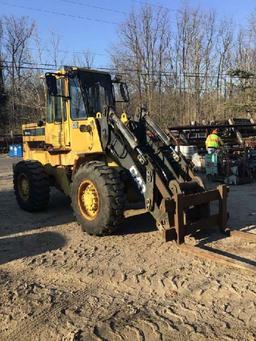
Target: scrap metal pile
<point>237,161</point>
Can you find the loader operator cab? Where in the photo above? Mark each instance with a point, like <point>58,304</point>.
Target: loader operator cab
<point>89,93</point>
<point>75,96</point>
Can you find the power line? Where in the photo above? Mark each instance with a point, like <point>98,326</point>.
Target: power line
<point>29,68</point>
<point>124,71</point>
<point>93,6</point>
<point>67,51</point>
<point>154,5</point>
<point>112,9</point>
<point>165,73</point>
<point>41,10</point>
<point>29,63</point>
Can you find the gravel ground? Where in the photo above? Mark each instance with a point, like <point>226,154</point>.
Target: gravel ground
<point>57,283</point>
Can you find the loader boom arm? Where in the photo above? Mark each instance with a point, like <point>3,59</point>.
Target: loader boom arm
<point>176,198</point>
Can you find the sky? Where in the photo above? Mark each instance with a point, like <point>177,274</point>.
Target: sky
<point>93,25</point>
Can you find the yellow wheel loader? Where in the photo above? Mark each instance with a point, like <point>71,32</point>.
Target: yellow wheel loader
<point>103,160</point>
<point>106,162</point>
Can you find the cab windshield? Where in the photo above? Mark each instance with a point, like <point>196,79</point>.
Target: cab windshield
<point>96,90</point>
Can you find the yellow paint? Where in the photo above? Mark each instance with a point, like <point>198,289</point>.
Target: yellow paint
<point>124,118</point>
<point>60,176</point>
<point>63,141</point>
<point>88,200</point>
<point>112,163</point>
<point>85,142</point>
<point>64,136</point>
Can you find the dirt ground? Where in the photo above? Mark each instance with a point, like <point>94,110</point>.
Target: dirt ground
<point>57,283</point>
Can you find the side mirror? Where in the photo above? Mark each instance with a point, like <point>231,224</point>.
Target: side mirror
<point>41,123</point>
<point>51,85</point>
<point>124,92</point>
<point>121,91</point>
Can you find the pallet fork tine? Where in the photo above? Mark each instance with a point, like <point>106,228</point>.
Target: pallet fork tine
<point>250,237</point>
<point>181,229</point>
<point>221,256</point>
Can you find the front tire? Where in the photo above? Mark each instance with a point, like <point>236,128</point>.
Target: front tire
<point>31,186</point>
<point>97,196</point>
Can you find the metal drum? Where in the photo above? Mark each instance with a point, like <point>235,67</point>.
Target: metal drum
<point>188,151</point>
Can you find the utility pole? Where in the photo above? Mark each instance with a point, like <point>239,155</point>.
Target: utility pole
<point>3,97</point>
<point>1,80</point>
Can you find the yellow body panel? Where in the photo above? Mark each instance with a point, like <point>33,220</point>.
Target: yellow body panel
<point>62,153</point>
<point>85,142</point>
<point>60,176</point>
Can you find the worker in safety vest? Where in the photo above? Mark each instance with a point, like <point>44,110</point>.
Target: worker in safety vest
<point>213,142</point>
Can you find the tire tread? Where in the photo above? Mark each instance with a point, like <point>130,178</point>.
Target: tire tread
<point>113,186</point>
<point>39,185</point>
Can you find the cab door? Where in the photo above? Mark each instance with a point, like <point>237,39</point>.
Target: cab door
<point>57,129</point>
<point>84,134</point>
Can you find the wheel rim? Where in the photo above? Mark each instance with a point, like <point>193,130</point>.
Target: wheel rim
<point>88,199</point>
<point>23,186</point>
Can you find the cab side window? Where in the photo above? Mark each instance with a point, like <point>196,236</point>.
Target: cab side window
<point>97,98</point>
<point>78,110</point>
<point>50,109</point>
<point>56,105</point>
<point>59,102</point>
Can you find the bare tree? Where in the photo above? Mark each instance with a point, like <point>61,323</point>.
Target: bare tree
<point>17,34</point>
<point>143,53</point>
<point>194,46</point>
<point>84,60</point>
<point>179,72</point>
<point>56,54</point>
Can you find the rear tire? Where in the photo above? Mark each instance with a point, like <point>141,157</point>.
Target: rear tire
<point>31,186</point>
<point>97,195</point>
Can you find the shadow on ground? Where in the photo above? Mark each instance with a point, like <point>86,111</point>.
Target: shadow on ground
<point>13,248</point>
<point>211,236</point>
<point>15,220</point>
<point>142,223</point>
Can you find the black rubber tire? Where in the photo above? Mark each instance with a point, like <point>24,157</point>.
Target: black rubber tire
<point>111,198</point>
<point>39,187</point>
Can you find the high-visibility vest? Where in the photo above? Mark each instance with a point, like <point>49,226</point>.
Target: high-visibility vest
<point>213,141</point>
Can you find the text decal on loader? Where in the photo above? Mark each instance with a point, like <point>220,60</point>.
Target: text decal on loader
<point>134,173</point>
